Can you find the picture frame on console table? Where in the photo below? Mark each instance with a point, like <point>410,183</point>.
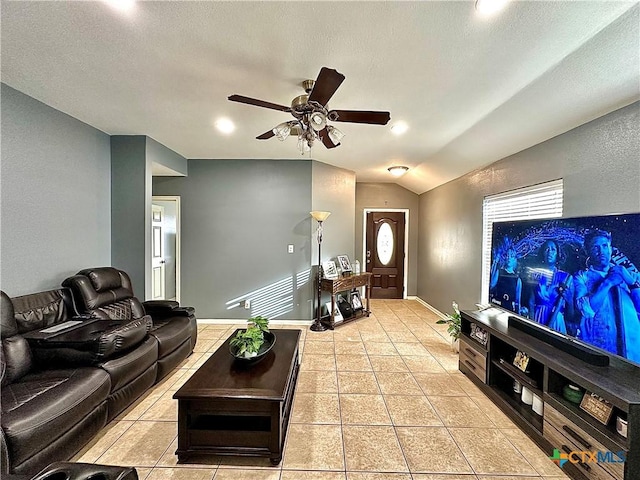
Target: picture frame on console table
<point>329,270</point>
<point>345,264</point>
<point>337,316</point>
<point>356,301</point>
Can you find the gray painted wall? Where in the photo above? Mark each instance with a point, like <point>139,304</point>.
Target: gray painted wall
<point>158,153</point>
<point>333,190</point>
<point>130,211</point>
<point>599,162</point>
<point>55,195</point>
<point>237,218</point>
<point>390,195</point>
<point>132,158</point>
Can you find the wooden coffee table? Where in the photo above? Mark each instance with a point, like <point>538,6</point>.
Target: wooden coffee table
<point>227,408</point>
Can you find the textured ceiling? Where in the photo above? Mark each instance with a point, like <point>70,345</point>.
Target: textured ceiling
<point>472,89</point>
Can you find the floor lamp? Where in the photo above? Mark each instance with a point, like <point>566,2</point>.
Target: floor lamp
<point>320,217</point>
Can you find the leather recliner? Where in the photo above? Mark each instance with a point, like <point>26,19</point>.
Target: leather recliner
<point>79,471</point>
<point>107,292</point>
<point>47,414</point>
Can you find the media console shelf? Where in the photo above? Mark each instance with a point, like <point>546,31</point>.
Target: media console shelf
<point>553,364</point>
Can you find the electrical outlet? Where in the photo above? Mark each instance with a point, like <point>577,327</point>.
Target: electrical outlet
<point>247,304</point>
<point>290,248</point>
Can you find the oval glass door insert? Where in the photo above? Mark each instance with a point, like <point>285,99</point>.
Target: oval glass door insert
<point>384,243</point>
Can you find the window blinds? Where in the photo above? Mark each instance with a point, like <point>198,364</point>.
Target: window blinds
<point>537,201</point>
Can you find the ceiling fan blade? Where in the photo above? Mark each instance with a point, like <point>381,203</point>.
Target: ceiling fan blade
<point>326,85</point>
<point>324,136</point>
<point>258,103</point>
<point>359,116</point>
<point>266,135</point>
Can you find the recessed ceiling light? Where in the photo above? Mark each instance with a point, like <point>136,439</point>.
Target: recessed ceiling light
<point>224,125</point>
<point>121,5</point>
<point>399,128</point>
<point>489,7</point>
<point>398,170</point>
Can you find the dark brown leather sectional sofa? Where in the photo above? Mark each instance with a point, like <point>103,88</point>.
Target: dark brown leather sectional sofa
<point>57,396</point>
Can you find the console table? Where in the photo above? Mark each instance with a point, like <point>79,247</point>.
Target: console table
<point>489,342</point>
<point>343,284</point>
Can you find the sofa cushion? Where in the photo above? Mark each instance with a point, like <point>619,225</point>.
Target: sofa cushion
<point>8,325</point>
<point>3,368</point>
<point>39,310</point>
<point>92,295</point>
<point>126,368</point>
<point>42,406</point>
<point>86,471</point>
<point>118,340</point>
<point>171,333</point>
<point>104,278</point>
<point>120,310</point>
<point>16,359</point>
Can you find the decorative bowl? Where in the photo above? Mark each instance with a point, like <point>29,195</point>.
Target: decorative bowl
<point>572,393</point>
<point>269,342</point>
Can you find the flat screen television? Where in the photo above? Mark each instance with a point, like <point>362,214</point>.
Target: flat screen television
<point>577,277</point>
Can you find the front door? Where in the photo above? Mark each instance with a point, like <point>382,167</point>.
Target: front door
<point>385,253</point>
<point>157,253</point>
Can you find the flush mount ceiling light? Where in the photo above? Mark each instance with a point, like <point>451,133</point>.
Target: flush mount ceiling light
<point>398,170</point>
<point>311,113</point>
<point>224,125</point>
<point>489,7</point>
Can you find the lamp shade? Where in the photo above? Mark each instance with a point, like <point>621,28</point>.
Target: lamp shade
<point>335,135</point>
<point>317,121</point>
<point>282,131</point>
<point>319,216</point>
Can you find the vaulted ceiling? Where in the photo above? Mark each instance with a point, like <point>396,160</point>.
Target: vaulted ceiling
<point>472,89</point>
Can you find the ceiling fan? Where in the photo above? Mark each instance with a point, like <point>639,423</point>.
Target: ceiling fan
<point>311,113</point>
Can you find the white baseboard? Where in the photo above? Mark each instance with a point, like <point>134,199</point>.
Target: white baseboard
<point>430,307</point>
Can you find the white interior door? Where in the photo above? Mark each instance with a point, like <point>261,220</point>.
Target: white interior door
<point>157,253</point>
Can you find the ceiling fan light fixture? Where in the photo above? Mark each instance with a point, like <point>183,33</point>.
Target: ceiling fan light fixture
<point>398,170</point>
<point>318,121</point>
<point>282,131</point>
<point>304,145</point>
<point>335,135</point>
<point>311,113</point>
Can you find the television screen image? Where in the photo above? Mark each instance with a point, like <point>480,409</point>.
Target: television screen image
<point>576,276</point>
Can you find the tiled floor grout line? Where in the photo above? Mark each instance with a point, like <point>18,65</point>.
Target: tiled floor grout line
<point>404,327</point>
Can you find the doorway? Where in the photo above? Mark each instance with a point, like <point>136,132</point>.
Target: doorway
<point>385,246</point>
<point>165,247</point>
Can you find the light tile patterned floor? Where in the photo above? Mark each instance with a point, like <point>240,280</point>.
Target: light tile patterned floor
<point>377,399</point>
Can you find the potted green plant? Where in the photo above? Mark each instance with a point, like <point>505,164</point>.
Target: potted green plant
<point>246,343</point>
<point>454,324</point>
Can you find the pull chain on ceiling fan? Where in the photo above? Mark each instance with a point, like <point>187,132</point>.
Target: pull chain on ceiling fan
<point>311,114</point>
